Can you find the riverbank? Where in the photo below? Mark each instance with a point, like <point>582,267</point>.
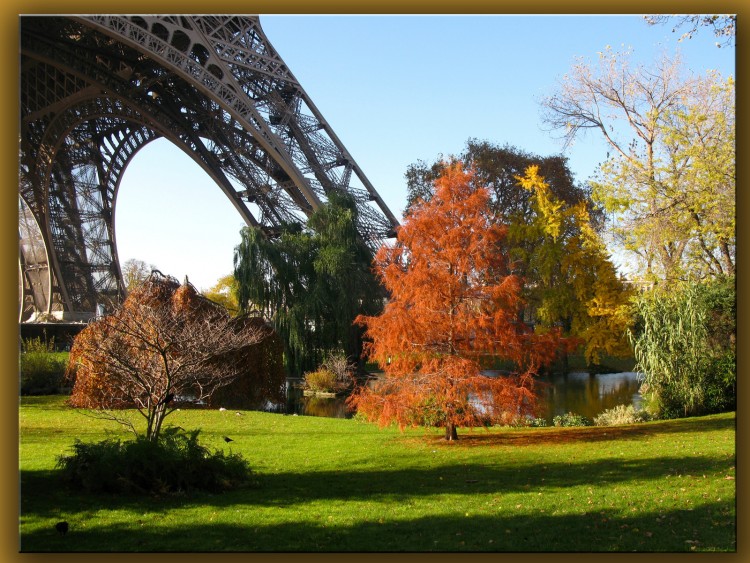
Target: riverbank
<point>327,484</point>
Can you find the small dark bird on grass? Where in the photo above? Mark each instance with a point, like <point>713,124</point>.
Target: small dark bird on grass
<point>227,439</point>
<point>62,528</point>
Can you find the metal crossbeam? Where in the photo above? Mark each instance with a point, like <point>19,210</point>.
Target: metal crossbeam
<point>95,89</point>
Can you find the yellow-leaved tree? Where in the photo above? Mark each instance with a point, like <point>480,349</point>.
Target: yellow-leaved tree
<point>577,286</point>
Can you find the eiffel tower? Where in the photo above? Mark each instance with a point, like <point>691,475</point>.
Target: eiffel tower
<point>95,89</point>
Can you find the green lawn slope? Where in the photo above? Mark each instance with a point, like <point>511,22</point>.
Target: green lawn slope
<point>327,484</point>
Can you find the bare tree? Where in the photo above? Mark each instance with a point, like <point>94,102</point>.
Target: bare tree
<point>165,343</point>
<point>629,106</point>
<point>724,25</point>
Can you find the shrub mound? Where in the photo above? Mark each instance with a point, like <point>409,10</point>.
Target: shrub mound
<point>321,380</point>
<point>334,375</point>
<point>42,369</point>
<point>176,463</point>
<point>264,381</point>
<point>621,414</point>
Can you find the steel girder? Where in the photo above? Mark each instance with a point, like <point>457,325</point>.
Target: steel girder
<point>95,89</point>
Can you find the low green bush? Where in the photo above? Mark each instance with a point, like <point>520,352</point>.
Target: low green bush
<point>176,463</point>
<point>621,414</point>
<point>571,419</point>
<point>42,370</point>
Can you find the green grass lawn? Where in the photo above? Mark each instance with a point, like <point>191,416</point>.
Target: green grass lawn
<point>327,484</point>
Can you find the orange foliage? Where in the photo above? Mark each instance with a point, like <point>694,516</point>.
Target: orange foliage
<point>455,306</point>
<point>167,343</point>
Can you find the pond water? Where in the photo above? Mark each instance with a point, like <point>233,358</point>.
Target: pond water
<point>577,392</point>
<point>588,395</point>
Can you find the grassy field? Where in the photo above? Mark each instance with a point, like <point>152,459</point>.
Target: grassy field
<point>340,485</point>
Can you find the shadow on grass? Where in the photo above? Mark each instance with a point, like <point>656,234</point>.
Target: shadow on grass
<point>43,499</point>
<point>544,436</point>
<point>708,527</point>
<point>43,496</point>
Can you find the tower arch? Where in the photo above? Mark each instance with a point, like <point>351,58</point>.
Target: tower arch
<point>95,89</point>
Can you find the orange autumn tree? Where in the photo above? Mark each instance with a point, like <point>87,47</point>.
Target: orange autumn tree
<point>454,308</point>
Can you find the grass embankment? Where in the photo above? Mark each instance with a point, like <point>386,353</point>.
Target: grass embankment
<point>340,485</point>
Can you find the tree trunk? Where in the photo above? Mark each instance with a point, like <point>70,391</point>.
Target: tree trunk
<point>567,326</point>
<point>727,255</point>
<point>149,425</point>
<point>450,432</point>
<point>157,418</point>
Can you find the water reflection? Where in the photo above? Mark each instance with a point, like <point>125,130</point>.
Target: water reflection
<point>577,392</point>
<point>588,395</point>
<point>297,403</point>
<point>333,407</point>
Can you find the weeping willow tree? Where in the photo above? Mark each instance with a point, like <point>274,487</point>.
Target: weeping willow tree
<point>311,283</point>
<point>685,346</point>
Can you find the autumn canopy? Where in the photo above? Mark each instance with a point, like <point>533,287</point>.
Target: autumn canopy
<point>455,307</point>
<point>167,343</point>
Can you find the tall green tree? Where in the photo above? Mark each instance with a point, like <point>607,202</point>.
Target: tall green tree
<point>311,283</point>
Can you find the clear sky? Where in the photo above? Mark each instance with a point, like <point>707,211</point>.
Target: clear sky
<point>395,89</point>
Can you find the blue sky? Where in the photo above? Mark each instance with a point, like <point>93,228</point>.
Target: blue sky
<point>395,89</point>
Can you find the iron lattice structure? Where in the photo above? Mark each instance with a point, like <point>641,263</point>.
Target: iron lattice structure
<point>96,89</point>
